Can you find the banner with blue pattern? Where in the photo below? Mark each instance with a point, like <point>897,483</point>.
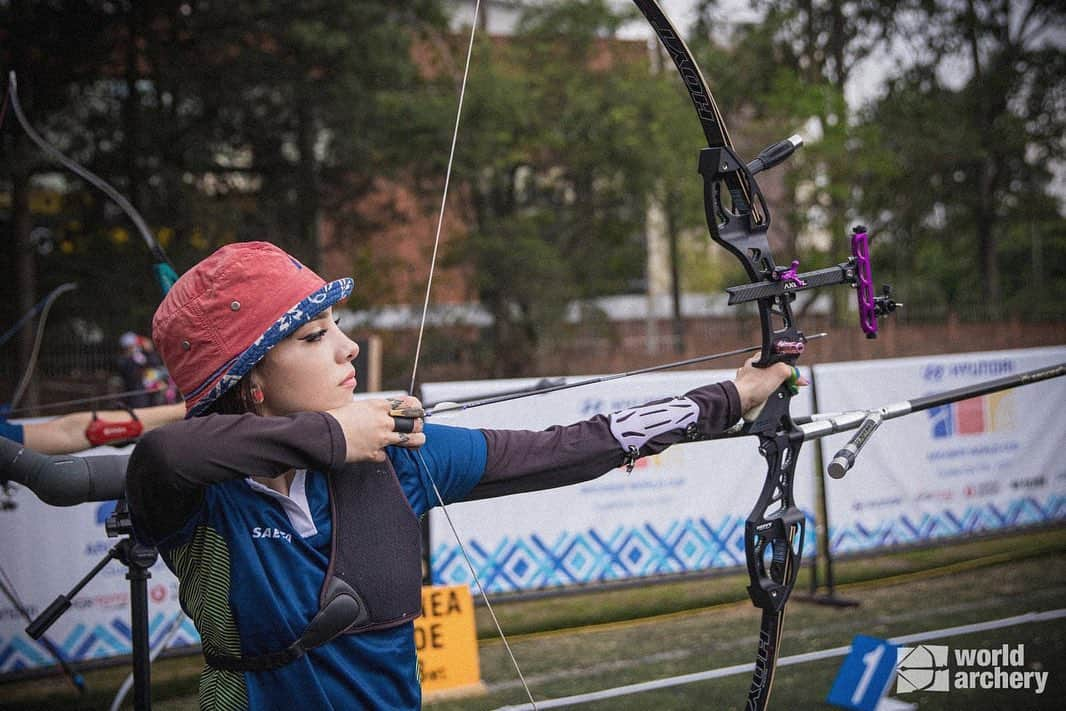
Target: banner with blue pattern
<point>46,550</point>
<point>681,511</point>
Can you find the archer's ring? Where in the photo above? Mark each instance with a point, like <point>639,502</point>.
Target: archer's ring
<point>404,424</point>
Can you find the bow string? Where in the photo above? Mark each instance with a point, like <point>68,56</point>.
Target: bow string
<point>420,460</point>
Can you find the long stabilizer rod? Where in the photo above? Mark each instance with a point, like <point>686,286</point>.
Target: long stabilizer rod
<point>867,421</point>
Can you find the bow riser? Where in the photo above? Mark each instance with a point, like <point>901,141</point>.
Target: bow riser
<point>775,525</point>
<point>773,542</point>
<point>742,229</point>
<point>774,530</point>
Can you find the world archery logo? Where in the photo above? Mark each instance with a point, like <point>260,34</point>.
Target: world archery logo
<point>922,668</point>
<point>979,415</point>
<point>928,667</point>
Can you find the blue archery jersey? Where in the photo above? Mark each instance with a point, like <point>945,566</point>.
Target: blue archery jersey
<point>11,431</point>
<point>252,562</point>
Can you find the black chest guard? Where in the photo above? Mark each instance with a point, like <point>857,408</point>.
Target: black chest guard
<point>374,580</point>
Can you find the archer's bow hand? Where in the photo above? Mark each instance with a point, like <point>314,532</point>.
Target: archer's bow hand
<point>756,385</point>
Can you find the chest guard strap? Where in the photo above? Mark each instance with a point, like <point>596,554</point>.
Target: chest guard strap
<point>374,580</point>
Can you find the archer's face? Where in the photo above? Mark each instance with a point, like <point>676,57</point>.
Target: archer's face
<point>311,370</point>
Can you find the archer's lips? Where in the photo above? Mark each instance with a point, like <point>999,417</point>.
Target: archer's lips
<point>349,382</point>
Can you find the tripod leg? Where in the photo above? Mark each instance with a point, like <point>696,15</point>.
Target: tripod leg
<point>138,560</point>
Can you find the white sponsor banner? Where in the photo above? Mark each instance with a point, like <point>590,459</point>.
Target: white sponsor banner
<point>680,511</point>
<point>986,463</point>
<point>45,551</point>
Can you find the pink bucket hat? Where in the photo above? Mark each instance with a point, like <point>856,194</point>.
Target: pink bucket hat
<point>223,315</point>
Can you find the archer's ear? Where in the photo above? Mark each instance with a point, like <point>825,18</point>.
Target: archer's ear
<point>255,378</point>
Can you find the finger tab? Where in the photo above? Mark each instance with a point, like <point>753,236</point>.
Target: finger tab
<point>404,424</point>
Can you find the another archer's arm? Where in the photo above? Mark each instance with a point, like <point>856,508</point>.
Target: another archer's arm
<point>67,433</point>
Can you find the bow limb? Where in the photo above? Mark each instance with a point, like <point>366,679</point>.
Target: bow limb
<point>43,307</point>
<point>774,529</point>
<point>164,270</point>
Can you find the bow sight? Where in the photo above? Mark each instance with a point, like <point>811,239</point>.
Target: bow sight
<point>742,227</point>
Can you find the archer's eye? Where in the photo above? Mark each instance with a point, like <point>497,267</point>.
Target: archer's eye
<point>314,337</point>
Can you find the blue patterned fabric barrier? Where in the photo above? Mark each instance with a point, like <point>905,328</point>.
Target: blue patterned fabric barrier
<point>594,556</point>
<point>84,642</point>
<point>921,528</point>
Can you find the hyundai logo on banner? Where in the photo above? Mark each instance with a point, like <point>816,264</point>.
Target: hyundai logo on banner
<point>937,372</point>
<point>933,373</point>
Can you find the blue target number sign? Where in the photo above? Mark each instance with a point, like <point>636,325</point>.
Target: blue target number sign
<point>865,675</point>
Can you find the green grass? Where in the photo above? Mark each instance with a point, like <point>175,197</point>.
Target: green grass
<point>591,641</point>
<point>568,611</point>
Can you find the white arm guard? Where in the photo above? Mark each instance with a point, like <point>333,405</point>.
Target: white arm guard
<point>633,427</point>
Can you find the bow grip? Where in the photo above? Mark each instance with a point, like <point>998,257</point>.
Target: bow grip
<point>789,387</point>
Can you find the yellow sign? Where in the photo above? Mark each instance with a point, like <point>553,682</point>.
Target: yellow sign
<point>446,641</point>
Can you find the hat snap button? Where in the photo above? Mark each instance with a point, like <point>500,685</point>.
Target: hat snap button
<point>235,306</point>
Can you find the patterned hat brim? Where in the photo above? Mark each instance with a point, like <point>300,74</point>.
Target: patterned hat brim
<point>232,371</point>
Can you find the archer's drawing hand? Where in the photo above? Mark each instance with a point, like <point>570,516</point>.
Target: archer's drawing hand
<point>755,385</point>
<point>368,428</point>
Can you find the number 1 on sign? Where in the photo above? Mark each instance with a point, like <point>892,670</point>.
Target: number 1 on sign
<point>870,661</point>
<point>865,675</point>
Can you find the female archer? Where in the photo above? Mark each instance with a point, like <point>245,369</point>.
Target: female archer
<point>289,513</point>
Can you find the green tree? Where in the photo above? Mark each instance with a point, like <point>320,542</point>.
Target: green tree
<point>561,150</point>
<point>220,121</point>
<point>787,72</point>
<point>957,155</point>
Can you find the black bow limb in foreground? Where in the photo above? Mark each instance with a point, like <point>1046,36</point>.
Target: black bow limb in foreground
<point>738,219</point>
